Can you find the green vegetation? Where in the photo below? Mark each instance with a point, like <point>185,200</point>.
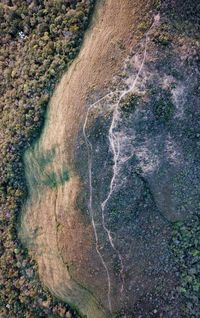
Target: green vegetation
<point>130,103</point>
<point>46,158</point>
<point>53,180</point>
<point>186,248</point>
<point>39,40</point>
<point>64,177</point>
<point>163,39</point>
<point>163,106</point>
<point>163,35</point>
<point>42,173</point>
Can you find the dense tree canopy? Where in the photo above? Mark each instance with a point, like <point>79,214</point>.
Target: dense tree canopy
<point>39,39</point>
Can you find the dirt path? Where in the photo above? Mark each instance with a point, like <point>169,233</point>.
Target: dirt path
<point>52,224</point>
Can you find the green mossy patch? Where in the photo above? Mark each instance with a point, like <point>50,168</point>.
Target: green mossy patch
<point>46,158</point>
<point>41,172</point>
<point>54,180</point>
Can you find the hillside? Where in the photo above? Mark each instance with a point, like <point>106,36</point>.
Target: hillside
<point>100,159</point>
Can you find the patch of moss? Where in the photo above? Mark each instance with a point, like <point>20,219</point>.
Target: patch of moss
<point>54,180</point>
<point>51,180</point>
<point>64,176</point>
<point>46,158</point>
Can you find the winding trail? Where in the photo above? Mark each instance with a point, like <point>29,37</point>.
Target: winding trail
<point>114,140</point>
